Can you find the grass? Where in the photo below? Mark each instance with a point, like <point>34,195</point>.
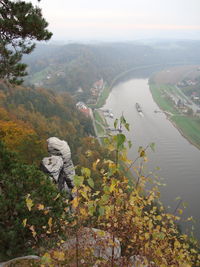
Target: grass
<point>38,76</point>
<point>102,98</point>
<point>98,117</point>
<point>160,97</point>
<point>189,126</point>
<point>100,129</point>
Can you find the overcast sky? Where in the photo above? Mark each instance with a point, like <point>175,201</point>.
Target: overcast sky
<point>122,19</point>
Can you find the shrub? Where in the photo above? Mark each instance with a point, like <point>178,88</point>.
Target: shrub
<point>24,188</point>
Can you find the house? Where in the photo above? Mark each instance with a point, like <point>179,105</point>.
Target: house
<point>98,84</point>
<point>82,107</point>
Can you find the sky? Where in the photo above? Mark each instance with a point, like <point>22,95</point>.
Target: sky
<point>121,20</point>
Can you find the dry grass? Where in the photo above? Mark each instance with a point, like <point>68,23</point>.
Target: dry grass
<point>175,74</point>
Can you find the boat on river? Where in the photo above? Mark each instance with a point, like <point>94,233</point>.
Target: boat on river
<point>138,107</point>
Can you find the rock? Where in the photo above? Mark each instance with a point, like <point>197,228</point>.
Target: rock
<point>21,261</point>
<point>99,241</point>
<point>60,148</point>
<point>59,165</point>
<point>53,165</point>
<point>140,261</point>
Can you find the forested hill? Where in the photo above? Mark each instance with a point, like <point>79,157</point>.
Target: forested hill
<point>68,67</point>
<point>29,116</point>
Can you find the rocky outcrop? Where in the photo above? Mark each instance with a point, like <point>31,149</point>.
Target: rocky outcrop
<point>21,261</point>
<point>99,241</point>
<point>59,165</point>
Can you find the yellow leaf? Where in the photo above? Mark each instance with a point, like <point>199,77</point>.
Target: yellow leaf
<point>84,194</point>
<point>101,233</point>
<point>59,255</point>
<point>146,235</point>
<point>112,186</point>
<point>180,211</point>
<point>159,218</point>
<point>176,244</point>
<point>50,222</point>
<point>24,222</point>
<point>46,258</point>
<point>46,212</point>
<point>75,202</point>
<point>40,207</point>
<point>32,228</point>
<point>29,203</point>
<point>83,211</point>
<point>94,165</point>
<point>58,195</point>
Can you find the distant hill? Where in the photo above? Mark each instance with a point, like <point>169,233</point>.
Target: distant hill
<point>68,67</point>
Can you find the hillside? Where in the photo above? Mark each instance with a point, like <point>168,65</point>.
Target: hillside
<point>29,116</point>
<point>77,65</point>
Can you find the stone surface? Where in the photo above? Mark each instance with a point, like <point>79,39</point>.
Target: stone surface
<point>20,261</point>
<point>100,242</point>
<point>59,165</point>
<point>60,148</point>
<point>139,261</point>
<point>53,165</point>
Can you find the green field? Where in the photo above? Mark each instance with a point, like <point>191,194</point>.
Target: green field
<point>98,117</point>
<point>189,126</point>
<point>100,129</point>
<point>40,76</point>
<point>160,97</point>
<point>102,98</point>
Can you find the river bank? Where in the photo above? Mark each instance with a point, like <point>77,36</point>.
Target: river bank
<point>175,161</point>
<point>187,125</point>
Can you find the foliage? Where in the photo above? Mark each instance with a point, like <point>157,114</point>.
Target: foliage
<point>20,23</point>
<point>29,116</point>
<point>76,65</point>
<point>130,213</point>
<point>24,188</point>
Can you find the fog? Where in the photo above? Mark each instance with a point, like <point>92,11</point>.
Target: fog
<point>117,20</point>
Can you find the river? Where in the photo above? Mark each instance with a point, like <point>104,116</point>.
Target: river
<point>178,160</point>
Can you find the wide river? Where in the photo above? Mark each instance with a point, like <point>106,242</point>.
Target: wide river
<point>178,160</point>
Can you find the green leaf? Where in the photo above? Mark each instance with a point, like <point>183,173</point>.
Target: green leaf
<point>78,180</point>
<point>121,138</point>
<point>105,198</point>
<point>129,144</point>
<point>101,210</point>
<point>86,172</point>
<point>46,258</point>
<point>91,210</point>
<point>127,126</point>
<point>91,182</point>
<point>152,146</point>
<point>115,123</point>
<point>106,189</point>
<point>122,120</point>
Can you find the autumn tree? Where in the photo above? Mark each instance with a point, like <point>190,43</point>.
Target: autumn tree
<point>20,24</point>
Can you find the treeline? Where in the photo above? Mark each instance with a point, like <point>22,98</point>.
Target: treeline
<point>76,65</point>
<point>29,116</point>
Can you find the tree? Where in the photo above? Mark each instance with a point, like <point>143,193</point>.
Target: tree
<point>20,24</point>
<point>23,188</point>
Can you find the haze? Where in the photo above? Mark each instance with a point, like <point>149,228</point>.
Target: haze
<point>122,19</point>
